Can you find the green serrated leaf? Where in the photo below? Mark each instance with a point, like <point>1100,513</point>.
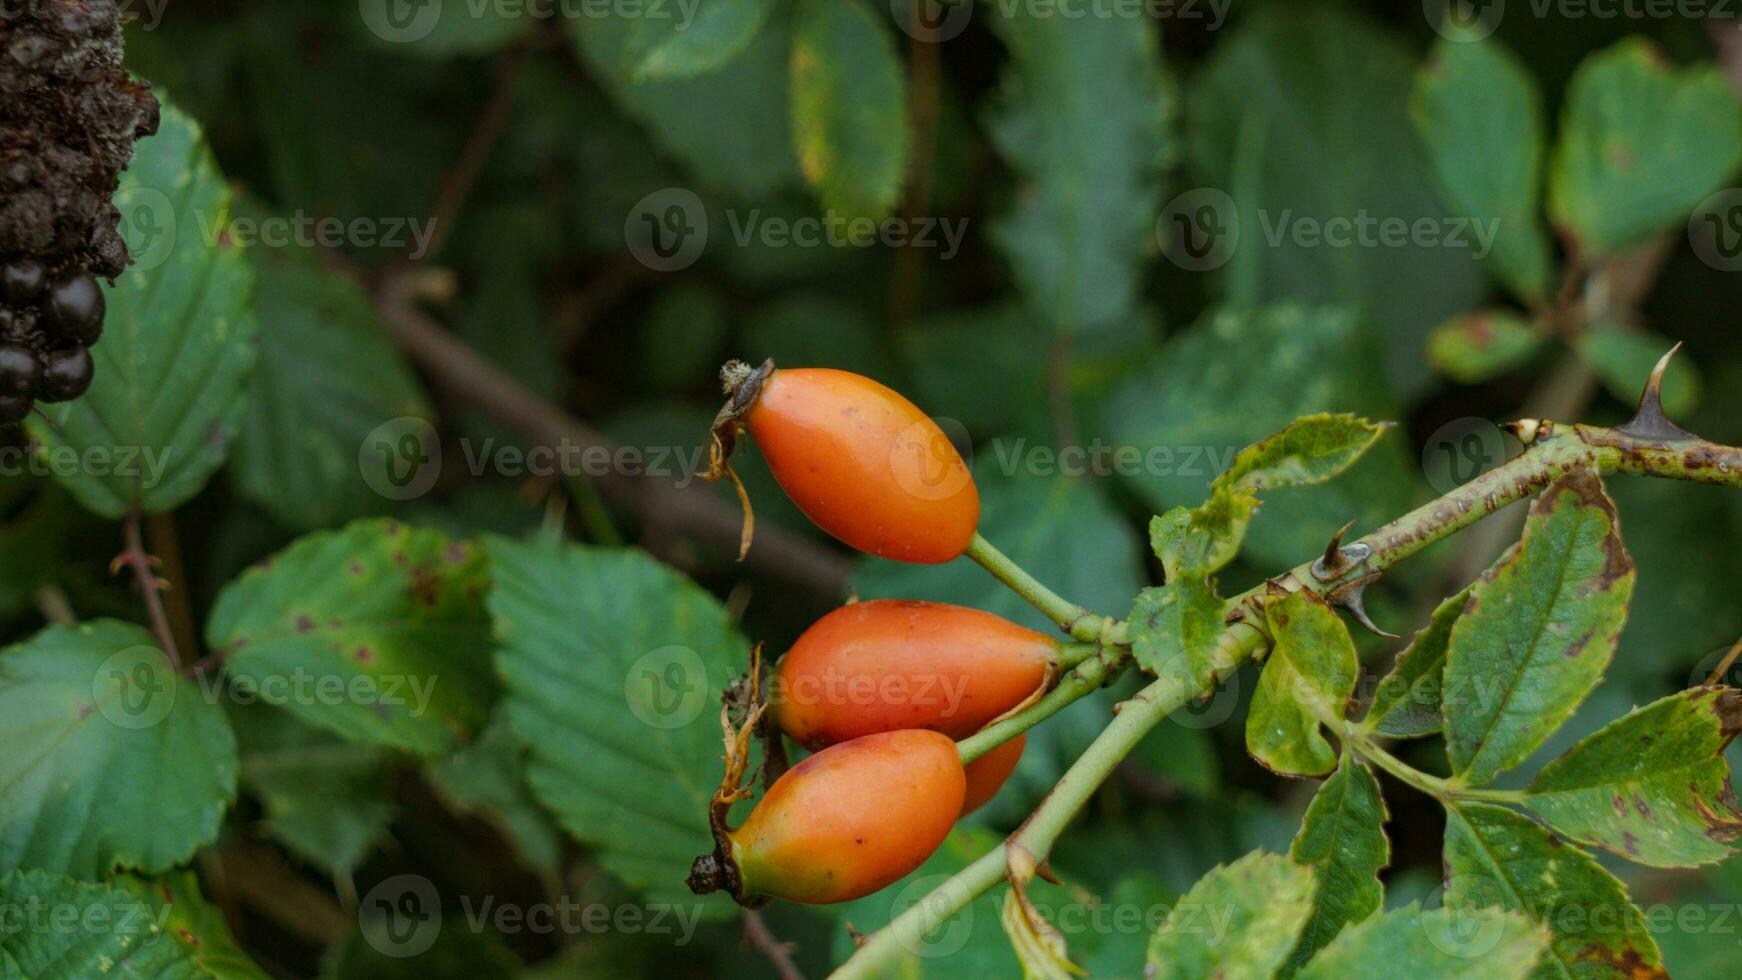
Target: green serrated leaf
<point>1653,786</point>
<point>1342,838</point>
<point>1175,629</point>
<point>849,107</point>
<point>327,377</point>
<point>1476,347</point>
<point>1432,946</point>
<point>325,799</point>
<point>725,125</point>
<point>112,760</point>
<point>1623,359</point>
<point>1307,682</point>
<point>611,663</point>
<point>1479,114</point>
<point>1315,360</point>
<point>389,617</point>
<point>1300,116</point>
<point>694,43</point>
<point>173,365</point>
<point>1641,143</point>
<point>1310,450</point>
<point>1538,632</point>
<point>1083,221</point>
<point>1241,920</point>
<point>1406,702</point>
<point>1498,859</point>
<point>488,777</point>
<point>159,928</point>
<point>1198,541</point>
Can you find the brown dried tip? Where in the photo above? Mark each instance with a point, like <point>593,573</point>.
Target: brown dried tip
<point>717,871</point>
<point>1649,422</point>
<point>742,385</point>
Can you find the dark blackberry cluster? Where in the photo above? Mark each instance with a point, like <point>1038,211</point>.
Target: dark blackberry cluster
<point>69,116</point>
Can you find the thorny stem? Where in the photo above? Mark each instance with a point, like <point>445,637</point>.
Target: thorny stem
<point>757,934</point>
<point>143,566</point>
<point>1645,447</point>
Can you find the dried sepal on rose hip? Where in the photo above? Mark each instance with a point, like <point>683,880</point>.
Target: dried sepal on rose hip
<point>887,665</point>
<point>843,823</point>
<point>69,118</point>
<point>862,462</point>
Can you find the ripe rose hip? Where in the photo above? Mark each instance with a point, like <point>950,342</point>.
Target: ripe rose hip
<point>890,664</point>
<point>847,821</point>
<point>861,461</point>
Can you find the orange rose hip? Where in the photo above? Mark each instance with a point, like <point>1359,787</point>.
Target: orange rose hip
<point>862,462</point>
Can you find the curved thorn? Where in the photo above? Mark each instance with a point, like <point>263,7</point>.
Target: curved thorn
<point>1334,562</point>
<point>1649,421</point>
<point>1353,599</point>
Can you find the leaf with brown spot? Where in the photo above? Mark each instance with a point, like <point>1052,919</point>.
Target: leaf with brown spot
<point>1540,629</point>
<point>406,629</point>
<point>1653,786</point>
<point>1496,858</point>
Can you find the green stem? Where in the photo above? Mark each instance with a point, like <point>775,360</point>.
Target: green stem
<point>1080,682</point>
<point>1134,720</point>
<point>1072,654</point>
<point>1072,618</point>
<point>1554,452</point>
<point>1441,789</point>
